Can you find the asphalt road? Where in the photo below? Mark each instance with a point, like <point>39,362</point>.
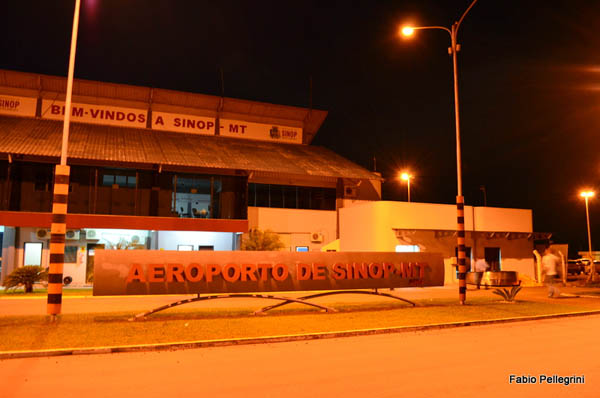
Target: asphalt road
<point>469,361</point>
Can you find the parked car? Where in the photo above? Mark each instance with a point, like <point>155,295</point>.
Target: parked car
<point>580,265</point>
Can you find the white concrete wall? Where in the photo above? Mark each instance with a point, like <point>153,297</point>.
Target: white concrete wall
<point>295,226</point>
<point>370,227</point>
<point>502,220</point>
<point>168,240</point>
<point>75,270</point>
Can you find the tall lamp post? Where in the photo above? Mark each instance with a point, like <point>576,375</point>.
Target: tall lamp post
<point>587,195</point>
<point>460,201</point>
<point>406,177</point>
<point>60,197</point>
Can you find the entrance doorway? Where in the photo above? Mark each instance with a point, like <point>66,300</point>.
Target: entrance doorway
<point>89,268</point>
<point>492,257</point>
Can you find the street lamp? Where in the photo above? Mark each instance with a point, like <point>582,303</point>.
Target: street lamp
<point>60,197</point>
<point>587,195</point>
<point>460,201</point>
<point>407,177</point>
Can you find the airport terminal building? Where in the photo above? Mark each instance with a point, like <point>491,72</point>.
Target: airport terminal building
<point>159,169</point>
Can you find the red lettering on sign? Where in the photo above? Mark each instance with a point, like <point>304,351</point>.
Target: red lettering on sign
<point>192,276</point>
<point>136,273</point>
<point>142,118</point>
<point>422,270</point>
<point>233,128</point>
<point>230,276</point>
<point>280,272</point>
<point>249,272</point>
<point>339,271</point>
<point>361,271</point>
<point>159,120</point>
<point>375,270</point>
<point>303,272</point>
<point>262,271</point>
<point>243,127</point>
<point>209,125</point>
<point>131,117</point>
<point>212,270</point>
<point>388,269</point>
<point>175,272</point>
<point>156,273</point>
<point>318,271</point>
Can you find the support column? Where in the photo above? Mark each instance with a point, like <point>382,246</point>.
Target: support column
<point>460,234</point>
<point>57,239</point>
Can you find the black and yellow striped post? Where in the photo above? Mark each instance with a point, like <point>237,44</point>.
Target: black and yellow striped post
<point>460,234</point>
<point>57,239</point>
<point>61,191</point>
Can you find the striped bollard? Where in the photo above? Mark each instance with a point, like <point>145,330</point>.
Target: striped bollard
<point>462,265</point>
<point>57,239</point>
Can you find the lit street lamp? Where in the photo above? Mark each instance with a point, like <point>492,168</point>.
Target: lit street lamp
<point>587,195</point>
<point>460,202</point>
<point>406,177</point>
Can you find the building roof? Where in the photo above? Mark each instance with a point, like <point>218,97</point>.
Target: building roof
<point>129,146</point>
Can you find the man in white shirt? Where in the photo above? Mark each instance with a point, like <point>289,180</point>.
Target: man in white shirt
<point>480,267</point>
<point>550,266</point>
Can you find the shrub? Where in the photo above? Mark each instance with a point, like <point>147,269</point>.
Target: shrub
<point>508,295</point>
<point>26,276</point>
<point>262,240</point>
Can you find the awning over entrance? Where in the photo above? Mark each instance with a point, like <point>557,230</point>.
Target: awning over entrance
<point>129,147</point>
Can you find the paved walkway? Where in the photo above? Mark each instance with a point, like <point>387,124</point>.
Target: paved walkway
<point>419,364</point>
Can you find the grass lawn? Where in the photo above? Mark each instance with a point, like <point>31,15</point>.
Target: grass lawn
<point>38,291</point>
<point>180,324</point>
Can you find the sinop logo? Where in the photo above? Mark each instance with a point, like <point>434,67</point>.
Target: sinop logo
<point>275,133</point>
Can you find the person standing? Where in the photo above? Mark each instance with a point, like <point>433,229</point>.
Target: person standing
<point>480,267</point>
<point>550,264</point>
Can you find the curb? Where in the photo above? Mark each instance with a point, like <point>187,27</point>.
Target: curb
<point>276,339</point>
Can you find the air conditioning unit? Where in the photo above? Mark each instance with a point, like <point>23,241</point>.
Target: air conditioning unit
<point>42,233</point>
<point>91,234</point>
<point>72,234</point>
<point>350,192</point>
<point>316,237</point>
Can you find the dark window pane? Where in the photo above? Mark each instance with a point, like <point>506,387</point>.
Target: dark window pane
<point>252,194</point>
<point>131,181</point>
<point>289,197</point>
<point>262,195</point>
<point>276,193</point>
<point>108,180</point>
<point>304,197</point>
<point>71,254</point>
<point>121,181</point>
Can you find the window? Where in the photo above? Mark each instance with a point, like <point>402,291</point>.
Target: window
<point>301,248</point>
<point>206,247</point>
<point>43,182</point>
<point>185,248</point>
<point>119,179</point>
<point>33,253</point>
<point>291,197</point>
<point>71,254</point>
